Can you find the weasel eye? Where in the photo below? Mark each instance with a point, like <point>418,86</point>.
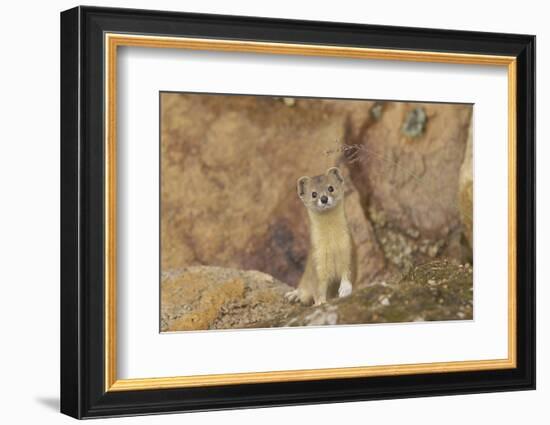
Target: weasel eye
<point>314,194</point>
<point>330,189</point>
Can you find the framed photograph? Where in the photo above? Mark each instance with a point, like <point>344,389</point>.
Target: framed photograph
<point>260,212</point>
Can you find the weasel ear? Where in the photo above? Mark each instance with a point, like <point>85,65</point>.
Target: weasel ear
<point>301,186</point>
<point>335,172</point>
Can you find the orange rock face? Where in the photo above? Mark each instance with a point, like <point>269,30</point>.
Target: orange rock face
<point>229,166</point>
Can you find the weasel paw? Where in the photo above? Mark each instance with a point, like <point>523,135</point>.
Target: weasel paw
<point>293,296</point>
<point>345,289</point>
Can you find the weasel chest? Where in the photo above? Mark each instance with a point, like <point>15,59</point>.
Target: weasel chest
<point>332,253</point>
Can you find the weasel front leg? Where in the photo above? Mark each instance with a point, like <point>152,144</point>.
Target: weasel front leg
<point>345,286</point>
<point>321,296</point>
<point>305,290</point>
<point>299,295</point>
<point>293,296</point>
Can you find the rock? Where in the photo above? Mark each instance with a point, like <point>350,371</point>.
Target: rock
<point>289,101</point>
<point>370,258</point>
<point>376,110</point>
<point>230,164</point>
<point>199,298</point>
<point>466,191</point>
<point>409,184</point>
<point>435,291</point>
<point>414,123</point>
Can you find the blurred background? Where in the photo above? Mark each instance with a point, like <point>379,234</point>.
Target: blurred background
<point>229,165</point>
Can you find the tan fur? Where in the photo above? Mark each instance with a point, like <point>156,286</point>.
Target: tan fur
<point>331,259</point>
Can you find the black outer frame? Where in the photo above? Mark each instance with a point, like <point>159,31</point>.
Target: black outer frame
<point>82,217</point>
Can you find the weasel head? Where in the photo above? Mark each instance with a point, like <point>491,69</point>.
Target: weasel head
<point>322,193</point>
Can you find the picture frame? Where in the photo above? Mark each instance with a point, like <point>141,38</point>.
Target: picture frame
<point>90,40</point>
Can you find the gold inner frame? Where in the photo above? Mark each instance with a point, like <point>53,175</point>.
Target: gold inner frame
<point>113,41</point>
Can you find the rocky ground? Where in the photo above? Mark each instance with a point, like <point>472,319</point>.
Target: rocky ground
<point>200,298</point>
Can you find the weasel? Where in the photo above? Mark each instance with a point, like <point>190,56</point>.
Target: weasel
<point>330,267</point>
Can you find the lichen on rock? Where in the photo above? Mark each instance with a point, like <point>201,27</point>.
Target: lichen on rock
<point>200,298</point>
<point>415,122</point>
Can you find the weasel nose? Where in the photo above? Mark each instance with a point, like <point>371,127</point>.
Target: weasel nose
<point>324,199</point>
